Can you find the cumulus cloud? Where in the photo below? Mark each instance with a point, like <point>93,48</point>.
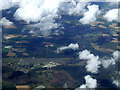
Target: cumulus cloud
<point>116,55</point>
<point>116,82</point>
<point>6,4</point>
<point>108,62</point>
<point>42,12</point>
<point>5,22</point>
<point>46,24</point>
<point>35,10</point>
<point>74,7</point>
<point>70,46</point>
<point>111,15</point>
<point>90,82</point>
<point>91,15</point>
<point>92,61</point>
<point>112,61</point>
<point>79,9</point>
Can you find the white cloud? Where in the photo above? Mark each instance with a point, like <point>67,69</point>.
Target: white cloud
<point>90,82</point>
<point>111,15</point>
<point>42,12</point>
<point>92,63</point>
<point>112,61</point>
<point>116,55</point>
<point>6,4</point>
<point>108,62</point>
<point>35,10</point>
<point>116,82</point>
<point>31,32</point>
<point>90,15</point>
<point>82,86</point>
<point>70,46</point>
<point>76,8</point>
<point>5,22</point>
<point>46,24</point>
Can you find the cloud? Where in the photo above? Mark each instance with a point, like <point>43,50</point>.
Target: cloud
<point>111,15</point>
<point>92,63</point>
<point>6,4</point>
<point>5,22</point>
<point>70,46</point>
<point>90,82</point>
<point>79,9</point>
<point>116,55</point>
<point>86,55</point>
<point>116,82</point>
<point>90,15</point>
<point>112,61</point>
<point>42,12</point>
<point>73,7</point>
<point>46,24</point>
<point>35,10</point>
<point>108,62</point>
